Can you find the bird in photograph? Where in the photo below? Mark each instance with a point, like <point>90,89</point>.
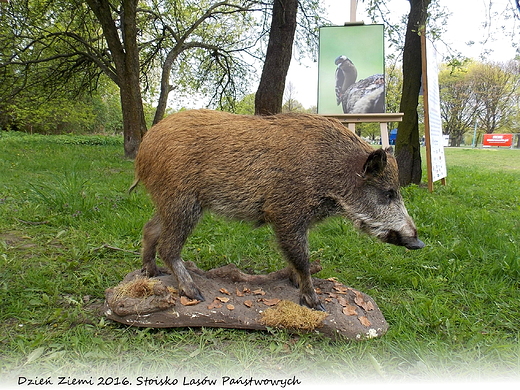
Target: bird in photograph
<point>364,96</point>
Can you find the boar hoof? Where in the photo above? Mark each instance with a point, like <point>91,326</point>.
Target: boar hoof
<point>151,272</point>
<point>193,293</point>
<point>317,305</point>
<point>320,307</point>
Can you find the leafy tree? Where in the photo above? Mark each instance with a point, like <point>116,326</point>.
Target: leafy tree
<point>44,88</point>
<point>37,110</point>
<point>457,103</point>
<point>394,86</point>
<point>59,46</point>
<point>483,93</point>
<point>495,88</point>
<point>198,46</point>
<point>126,40</point>
<point>245,106</point>
<point>290,103</point>
<point>368,130</point>
<point>107,107</point>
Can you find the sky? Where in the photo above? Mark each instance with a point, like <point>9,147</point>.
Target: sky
<point>470,21</point>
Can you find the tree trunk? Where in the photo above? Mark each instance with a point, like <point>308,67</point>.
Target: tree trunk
<point>269,96</point>
<point>134,123</point>
<point>126,60</point>
<point>407,145</point>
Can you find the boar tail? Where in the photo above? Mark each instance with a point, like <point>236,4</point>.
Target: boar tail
<point>134,184</point>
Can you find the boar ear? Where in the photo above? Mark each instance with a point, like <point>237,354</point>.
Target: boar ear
<point>389,150</point>
<point>375,164</point>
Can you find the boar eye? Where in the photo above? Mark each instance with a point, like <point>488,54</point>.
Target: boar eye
<point>390,195</point>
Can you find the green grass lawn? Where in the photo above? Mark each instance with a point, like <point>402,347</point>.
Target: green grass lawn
<point>453,307</point>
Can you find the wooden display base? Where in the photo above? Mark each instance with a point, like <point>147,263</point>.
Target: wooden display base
<point>241,301</point>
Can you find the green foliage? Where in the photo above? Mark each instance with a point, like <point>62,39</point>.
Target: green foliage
<point>479,94</point>
<point>452,307</point>
<point>45,83</point>
<point>53,53</point>
<point>496,92</point>
<point>37,109</point>
<point>39,114</point>
<point>457,108</point>
<point>244,106</point>
<point>204,41</point>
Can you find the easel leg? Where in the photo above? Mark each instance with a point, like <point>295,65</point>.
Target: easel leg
<point>384,134</point>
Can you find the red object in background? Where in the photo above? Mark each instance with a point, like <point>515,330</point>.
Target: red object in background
<point>498,140</point>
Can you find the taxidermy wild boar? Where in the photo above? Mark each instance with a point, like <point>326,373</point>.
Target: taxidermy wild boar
<point>288,170</point>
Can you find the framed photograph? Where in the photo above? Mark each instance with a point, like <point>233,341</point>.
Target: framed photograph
<point>351,70</point>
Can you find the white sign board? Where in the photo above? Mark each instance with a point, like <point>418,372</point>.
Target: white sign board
<point>438,162</point>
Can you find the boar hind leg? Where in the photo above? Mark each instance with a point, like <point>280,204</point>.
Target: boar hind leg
<point>294,245</point>
<point>151,233</point>
<point>178,223</point>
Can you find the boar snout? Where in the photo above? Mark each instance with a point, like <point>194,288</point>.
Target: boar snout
<point>416,244</point>
<point>410,242</point>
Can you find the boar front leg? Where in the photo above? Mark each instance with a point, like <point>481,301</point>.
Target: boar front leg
<point>177,224</point>
<point>295,247</point>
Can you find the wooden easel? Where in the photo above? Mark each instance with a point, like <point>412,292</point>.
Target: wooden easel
<point>350,121</point>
